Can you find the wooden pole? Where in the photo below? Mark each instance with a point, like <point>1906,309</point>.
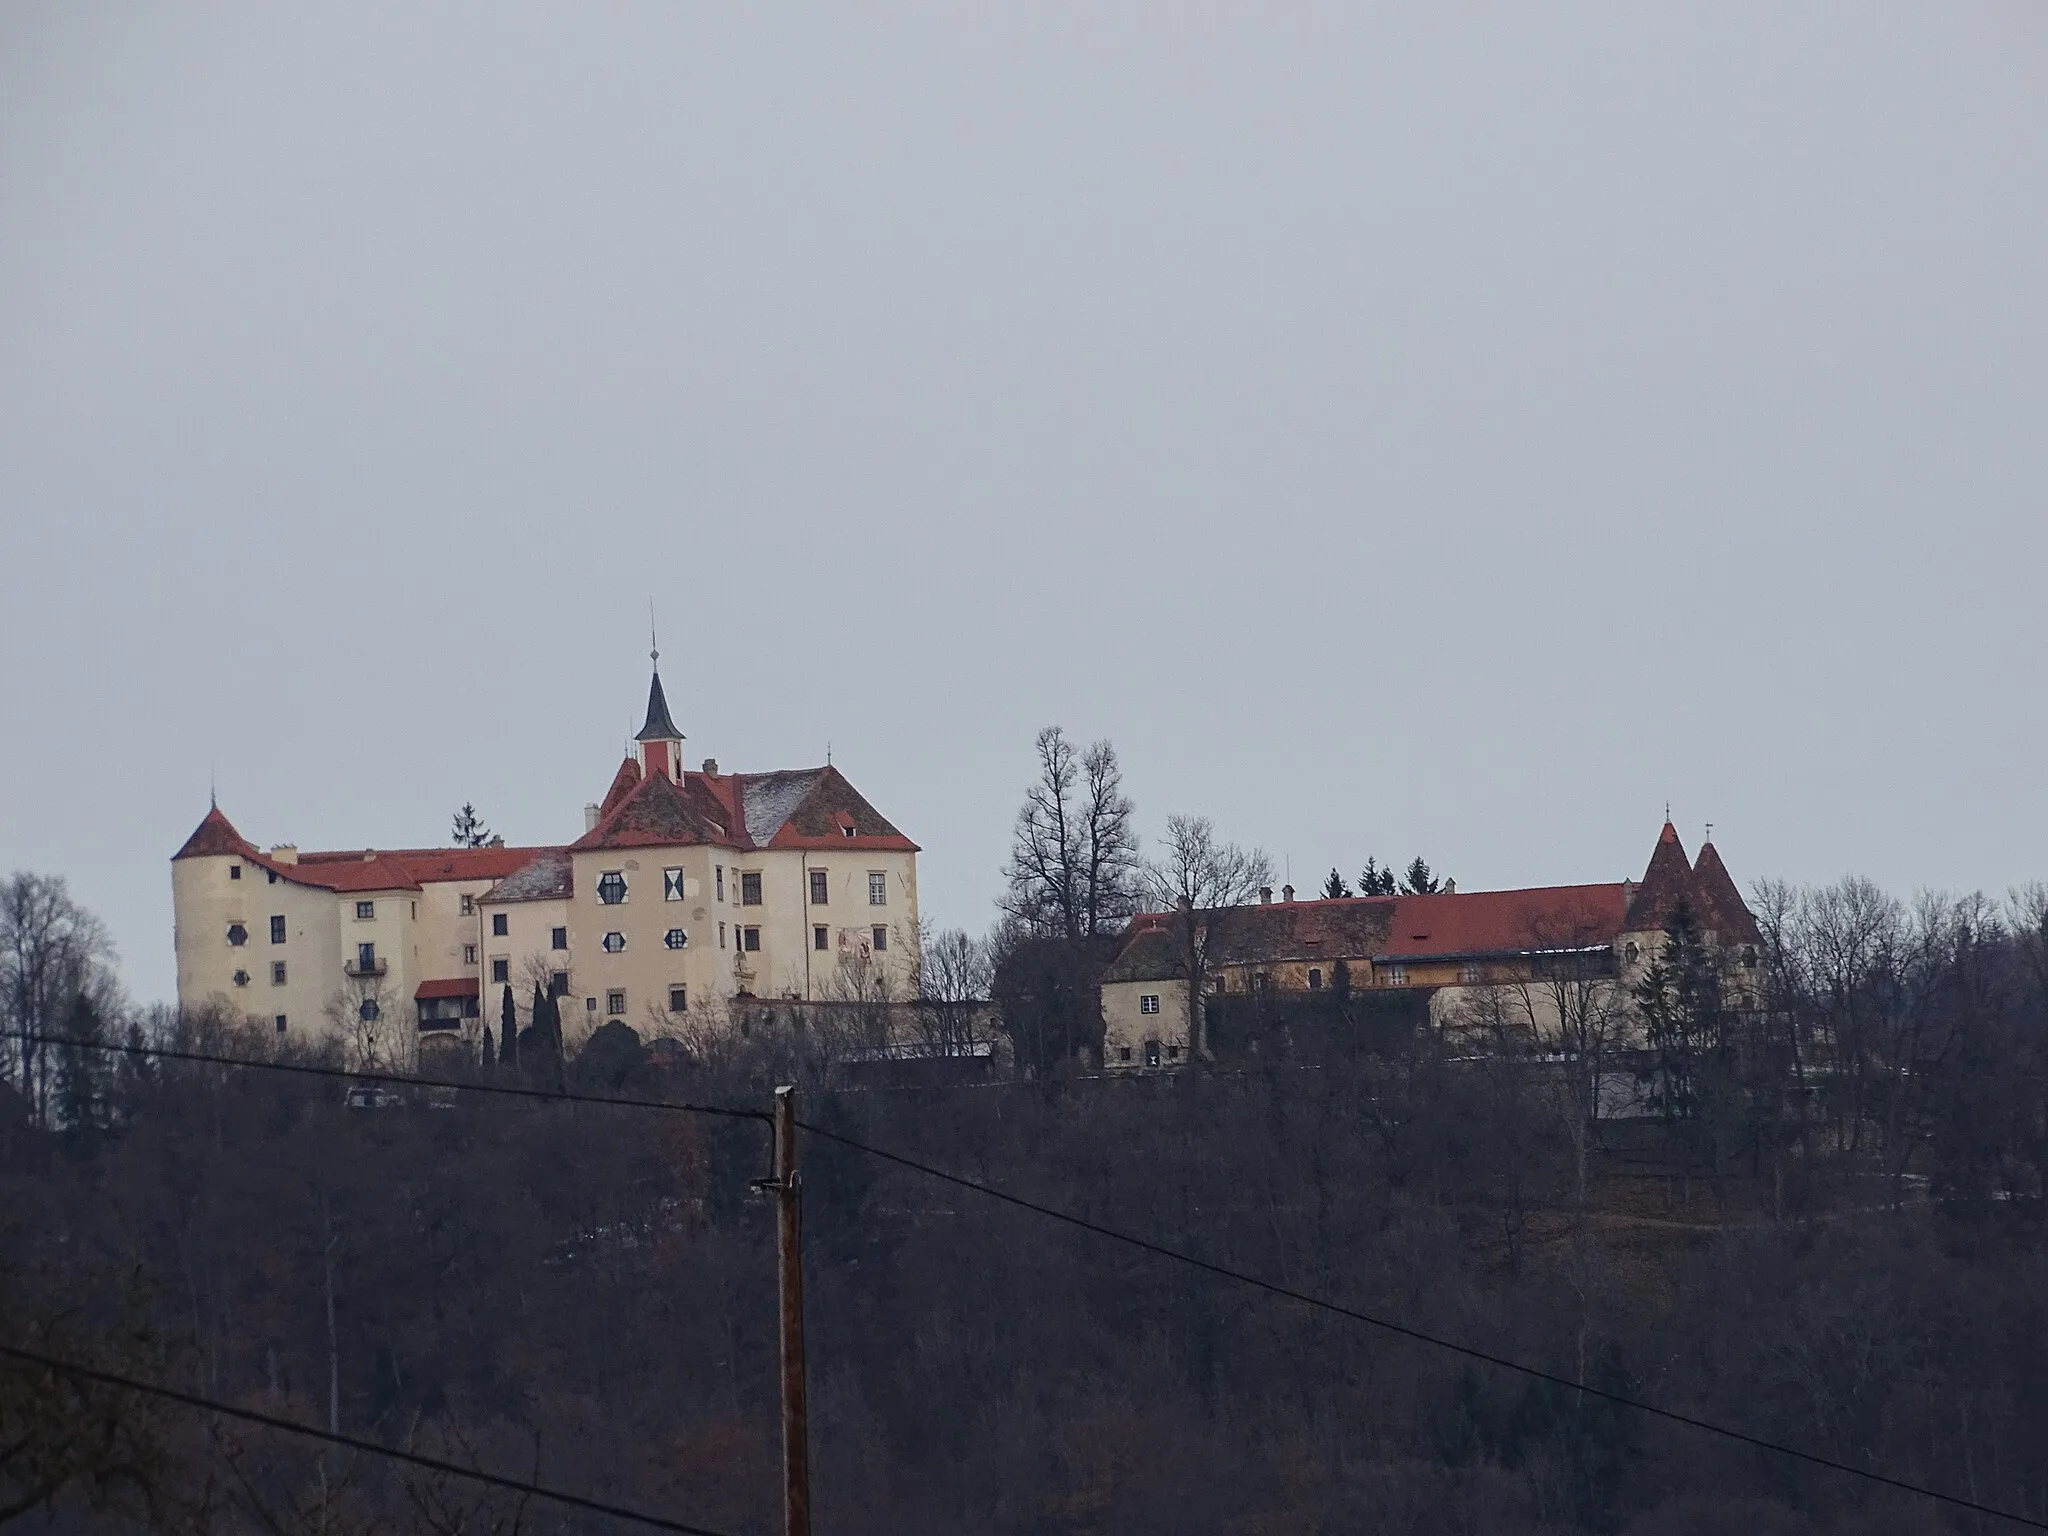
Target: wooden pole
<point>789,1264</point>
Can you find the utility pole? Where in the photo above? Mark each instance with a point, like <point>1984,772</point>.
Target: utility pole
<point>789,1266</point>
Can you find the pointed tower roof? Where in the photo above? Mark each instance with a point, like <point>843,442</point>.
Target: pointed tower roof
<point>1666,883</point>
<point>1722,910</point>
<point>215,834</point>
<point>659,726</point>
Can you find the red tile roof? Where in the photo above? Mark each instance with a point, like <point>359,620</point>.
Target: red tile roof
<point>214,835</point>
<point>453,986</point>
<point>1666,883</point>
<point>360,869</point>
<point>658,813</point>
<point>1722,911</point>
<point>1472,923</point>
<point>623,784</point>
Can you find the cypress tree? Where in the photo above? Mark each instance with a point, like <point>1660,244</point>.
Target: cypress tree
<point>490,1052</point>
<point>508,1032</point>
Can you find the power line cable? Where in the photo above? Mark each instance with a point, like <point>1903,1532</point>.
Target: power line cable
<point>1405,1331</point>
<point>351,1442</point>
<point>346,1074</point>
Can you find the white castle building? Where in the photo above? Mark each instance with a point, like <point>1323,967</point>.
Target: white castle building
<point>688,888</point>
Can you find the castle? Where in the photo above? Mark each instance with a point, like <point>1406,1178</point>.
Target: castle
<point>688,889</point>
<point>1453,951</point>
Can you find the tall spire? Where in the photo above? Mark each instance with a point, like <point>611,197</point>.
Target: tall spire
<point>659,726</point>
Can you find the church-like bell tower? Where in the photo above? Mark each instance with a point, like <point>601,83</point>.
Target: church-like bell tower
<point>661,744</point>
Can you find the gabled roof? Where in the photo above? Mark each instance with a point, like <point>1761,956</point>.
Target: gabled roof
<point>1722,911</point>
<point>658,813</point>
<point>357,870</point>
<point>548,876</point>
<point>623,783</point>
<point>1151,954</point>
<point>814,808</point>
<point>1666,883</point>
<point>659,726</point>
<point>1470,924</point>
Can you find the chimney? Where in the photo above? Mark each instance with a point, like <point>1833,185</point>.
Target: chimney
<point>1265,894</point>
<point>1287,893</point>
<point>497,840</point>
<point>711,767</point>
<point>590,817</point>
<point>286,853</point>
<point>1450,887</point>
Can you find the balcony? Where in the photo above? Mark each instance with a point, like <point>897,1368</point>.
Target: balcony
<point>361,967</point>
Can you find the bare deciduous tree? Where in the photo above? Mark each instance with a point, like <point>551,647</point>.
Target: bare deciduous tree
<point>51,951</point>
<point>1074,871</point>
<point>1200,881</point>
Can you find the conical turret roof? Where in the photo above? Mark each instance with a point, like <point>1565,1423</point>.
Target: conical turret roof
<point>1722,911</point>
<point>1666,883</point>
<point>659,726</point>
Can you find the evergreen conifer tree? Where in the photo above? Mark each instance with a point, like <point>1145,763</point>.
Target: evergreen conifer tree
<point>469,830</point>
<point>1374,880</point>
<point>490,1053</point>
<point>1334,887</point>
<point>1419,881</point>
<point>508,1032</point>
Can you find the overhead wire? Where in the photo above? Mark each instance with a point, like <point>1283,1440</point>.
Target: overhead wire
<point>405,1080</point>
<point>1418,1335</point>
<point>560,1496</point>
<point>1053,1213</point>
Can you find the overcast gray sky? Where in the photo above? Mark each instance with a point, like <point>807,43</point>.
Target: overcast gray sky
<point>1445,427</point>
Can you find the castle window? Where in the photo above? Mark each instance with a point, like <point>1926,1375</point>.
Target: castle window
<point>721,935</point>
<point>880,935</point>
<point>501,970</point>
<point>277,930</point>
<point>1151,1053</point>
<point>468,904</point>
<point>366,957</point>
<point>234,871</point>
<point>675,938</point>
<point>1397,975</point>
<point>750,938</point>
<point>1631,952</point>
<point>1749,956</point>
<point>1123,1053</point>
<point>821,887</point>
<point>277,973</point>
<point>558,983</point>
<point>1470,973</point>
<point>678,1000</point>
<point>719,875</point>
<point>671,885</point>
<point>280,1023</point>
<point>365,910</point>
<point>750,888</point>
<point>558,938</point>
<point>614,942</point>
<point>878,888</point>
<point>271,874</point>
<point>241,978</point>
<point>1173,1053</point>
<point>1315,978</point>
<point>501,924</point>
<point>611,887</point>
<point>368,1011</point>
<point>615,1004</point>
<point>469,954</point>
<point>237,935</point>
<point>1149,1003</point>
<point>820,937</point>
<point>1221,986</point>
